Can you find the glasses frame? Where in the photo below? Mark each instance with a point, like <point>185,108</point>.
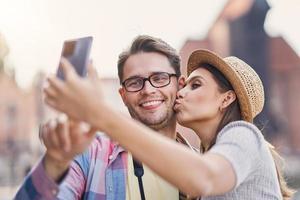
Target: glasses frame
<point>148,79</point>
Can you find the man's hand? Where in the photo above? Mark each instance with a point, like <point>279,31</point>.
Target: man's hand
<point>64,139</point>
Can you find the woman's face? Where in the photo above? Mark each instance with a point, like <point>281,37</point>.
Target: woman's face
<point>199,99</point>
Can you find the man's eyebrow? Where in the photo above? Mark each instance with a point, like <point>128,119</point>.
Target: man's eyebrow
<point>158,72</point>
<point>134,76</point>
<point>139,76</point>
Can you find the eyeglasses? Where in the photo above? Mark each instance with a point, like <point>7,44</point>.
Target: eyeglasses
<point>157,80</point>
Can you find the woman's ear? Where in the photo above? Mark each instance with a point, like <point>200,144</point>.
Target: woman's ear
<point>228,98</point>
<point>181,82</point>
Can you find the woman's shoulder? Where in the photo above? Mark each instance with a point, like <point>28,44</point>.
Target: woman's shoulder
<point>244,146</point>
<point>243,132</point>
<point>241,125</point>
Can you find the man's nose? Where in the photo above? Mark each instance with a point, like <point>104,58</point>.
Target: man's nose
<point>148,88</point>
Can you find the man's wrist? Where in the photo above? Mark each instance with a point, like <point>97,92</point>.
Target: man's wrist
<point>55,169</point>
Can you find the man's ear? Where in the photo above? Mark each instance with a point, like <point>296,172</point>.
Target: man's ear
<point>123,96</point>
<point>228,98</point>
<point>181,82</point>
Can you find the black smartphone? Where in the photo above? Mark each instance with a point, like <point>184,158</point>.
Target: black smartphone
<point>77,51</point>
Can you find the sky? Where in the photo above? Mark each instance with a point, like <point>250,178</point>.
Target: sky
<point>36,29</point>
<point>282,20</point>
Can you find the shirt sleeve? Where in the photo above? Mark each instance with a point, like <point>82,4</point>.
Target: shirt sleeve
<point>38,185</point>
<point>74,185</point>
<point>240,146</point>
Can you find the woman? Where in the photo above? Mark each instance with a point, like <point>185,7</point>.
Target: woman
<point>219,101</point>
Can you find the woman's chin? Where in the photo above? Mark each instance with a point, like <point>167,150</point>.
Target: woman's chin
<point>183,121</point>
<point>180,119</point>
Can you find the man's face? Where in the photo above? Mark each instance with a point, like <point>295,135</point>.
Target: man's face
<point>151,106</point>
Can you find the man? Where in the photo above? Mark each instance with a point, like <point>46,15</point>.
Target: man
<point>148,73</point>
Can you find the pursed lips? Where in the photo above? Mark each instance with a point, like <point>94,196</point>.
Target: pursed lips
<point>177,104</point>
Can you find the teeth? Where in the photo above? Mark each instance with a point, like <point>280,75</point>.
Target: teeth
<point>151,103</point>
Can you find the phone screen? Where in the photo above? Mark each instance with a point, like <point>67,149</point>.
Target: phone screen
<point>77,51</point>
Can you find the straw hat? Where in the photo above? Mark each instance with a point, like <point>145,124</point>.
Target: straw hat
<point>244,80</point>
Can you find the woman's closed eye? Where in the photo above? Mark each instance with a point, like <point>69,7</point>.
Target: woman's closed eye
<point>195,85</point>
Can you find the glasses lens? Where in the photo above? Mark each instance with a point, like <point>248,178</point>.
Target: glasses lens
<point>160,80</point>
<point>133,84</point>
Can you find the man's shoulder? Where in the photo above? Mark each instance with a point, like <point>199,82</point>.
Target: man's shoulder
<point>101,140</point>
<point>182,140</point>
<point>100,145</point>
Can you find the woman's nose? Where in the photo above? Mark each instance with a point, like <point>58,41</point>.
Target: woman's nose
<point>180,94</point>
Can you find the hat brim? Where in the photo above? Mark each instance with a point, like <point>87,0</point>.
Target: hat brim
<point>203,56</point>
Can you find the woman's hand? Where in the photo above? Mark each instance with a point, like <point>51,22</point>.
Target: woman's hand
<point>77,97</point>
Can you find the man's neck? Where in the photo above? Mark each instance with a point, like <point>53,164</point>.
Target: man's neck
<point>169,130</point>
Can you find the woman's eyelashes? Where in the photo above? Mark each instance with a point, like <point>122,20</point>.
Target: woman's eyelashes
<point>195,84</point>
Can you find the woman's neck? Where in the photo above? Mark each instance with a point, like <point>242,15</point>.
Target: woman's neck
<point>206,131</point>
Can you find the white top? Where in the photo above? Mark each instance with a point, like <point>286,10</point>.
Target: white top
<point>244,146</point>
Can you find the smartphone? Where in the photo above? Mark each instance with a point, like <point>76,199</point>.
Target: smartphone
<point>77,52</point>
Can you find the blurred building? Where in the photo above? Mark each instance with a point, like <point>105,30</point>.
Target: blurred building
<point>17,128</point>
<point>20,114</point>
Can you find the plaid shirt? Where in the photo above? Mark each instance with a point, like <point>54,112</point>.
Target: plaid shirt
<point>99,173</point>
